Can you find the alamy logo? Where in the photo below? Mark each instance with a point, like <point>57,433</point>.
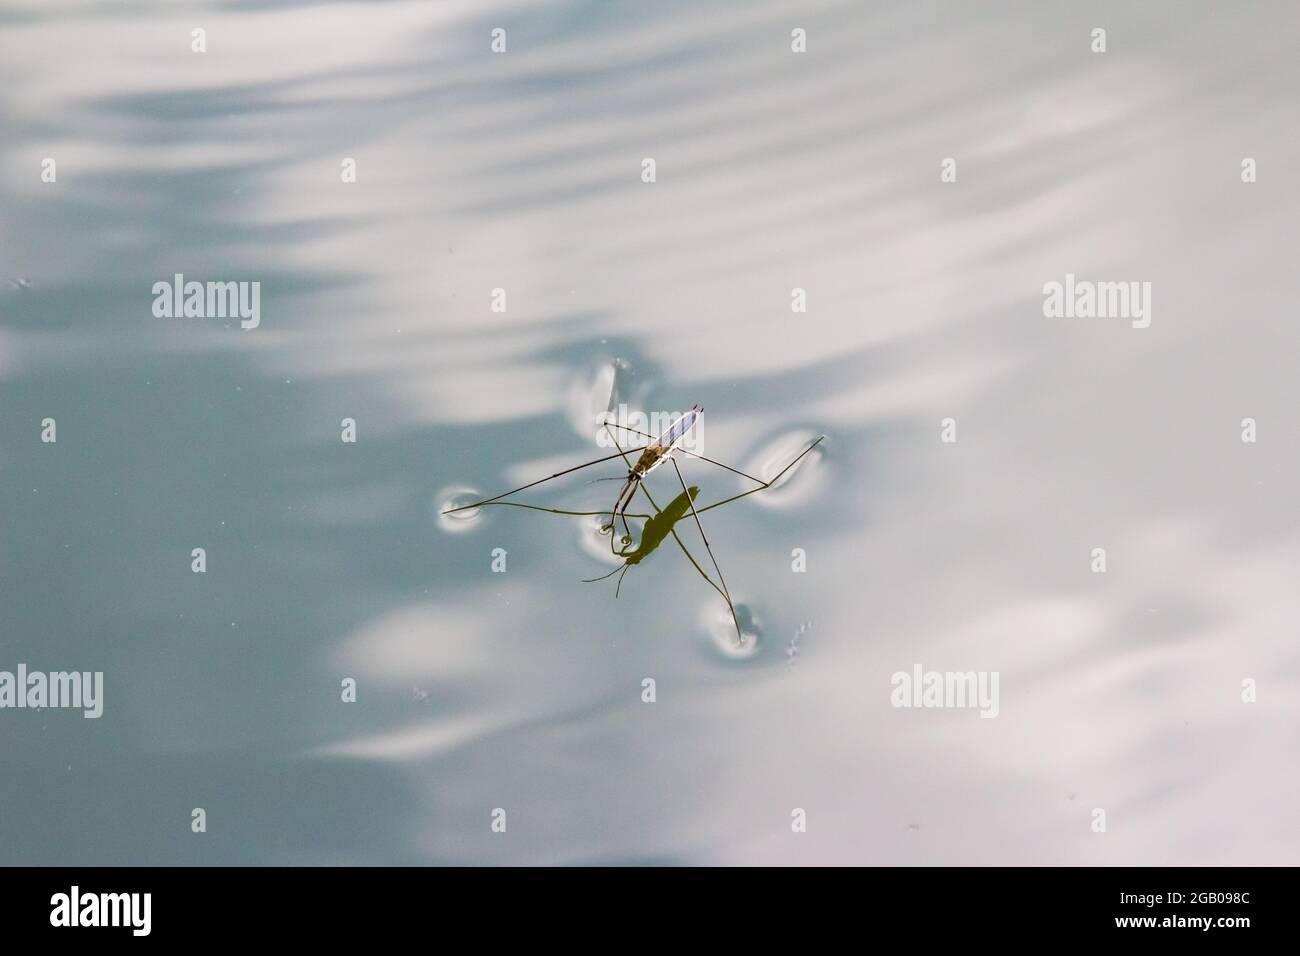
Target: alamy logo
<point>636,429</point>
<point>1085,299</point>
<point>208,300</point>
<point>946,689</point>
<point>102,909</point>
<point>35,689</point>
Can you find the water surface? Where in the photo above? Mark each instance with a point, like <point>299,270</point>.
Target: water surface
<point>523,690</point>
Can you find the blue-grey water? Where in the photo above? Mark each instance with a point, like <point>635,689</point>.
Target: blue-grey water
<point>522,690</point>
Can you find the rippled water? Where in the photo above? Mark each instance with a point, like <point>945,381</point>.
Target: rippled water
<point>523,690</point>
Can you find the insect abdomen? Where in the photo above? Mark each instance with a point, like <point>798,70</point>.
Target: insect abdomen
<point>647,460</point>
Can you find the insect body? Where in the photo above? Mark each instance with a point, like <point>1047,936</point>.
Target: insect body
<point>653,456</point>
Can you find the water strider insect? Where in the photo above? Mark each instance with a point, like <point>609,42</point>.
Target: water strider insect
<point>663,448</point>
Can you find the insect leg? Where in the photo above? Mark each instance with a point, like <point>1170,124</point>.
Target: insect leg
<point>731,605</point>
<point>539,481</point>
<point>767,484</point>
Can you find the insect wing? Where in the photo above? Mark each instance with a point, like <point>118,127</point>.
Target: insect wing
<point>678,429</point>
